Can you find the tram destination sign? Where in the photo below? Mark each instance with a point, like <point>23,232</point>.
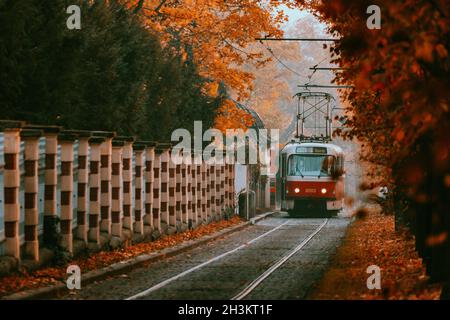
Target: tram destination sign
<point>320,150</point>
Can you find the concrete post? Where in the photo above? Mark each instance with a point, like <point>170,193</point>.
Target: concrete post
<point>66,141</point>
<point>203,191</point>
<point>149,160</point>
<point>164,210</point>
<point>127,175</point>
<point>227,187</point>
<point>156,191</point>
<point>189,193</point>
<point>31,157</point>
<point>231,190</point>
<point>208,193</point>
<point>217,195</point>
<point>194,192</point>
<point>184,196</point>
<point>11,187</point>
<point>94,190</point>
<point>116,188</point>
<point>222,188</point>
<point>50,237</point>
<point>138,212</point>
<point>105,180</point>
<point>198,172</point>
<point>212,188</point>
<point>82,187</point>
<point>172,197</point>
<point>178,196</point>
<point>228,183</point>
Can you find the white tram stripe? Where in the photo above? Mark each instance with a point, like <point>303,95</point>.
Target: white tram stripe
<point>275,266</point>
<point>180,275</point>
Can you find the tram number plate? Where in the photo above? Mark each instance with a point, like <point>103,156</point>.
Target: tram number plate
<point>309,190</point>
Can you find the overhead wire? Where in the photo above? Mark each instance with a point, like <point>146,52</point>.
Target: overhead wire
<point>309,77</point>
<point>281,62</point>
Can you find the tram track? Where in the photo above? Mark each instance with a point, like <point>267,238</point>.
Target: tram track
<point>255,283</point>
<point>197,267</point>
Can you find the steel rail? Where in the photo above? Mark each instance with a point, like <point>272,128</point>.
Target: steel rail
<point>247,290</point>
<point>197,267</point>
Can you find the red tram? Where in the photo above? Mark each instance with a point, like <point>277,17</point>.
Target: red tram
<point>310,178</point>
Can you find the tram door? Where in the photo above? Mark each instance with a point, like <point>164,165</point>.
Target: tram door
<point>281,183</point>
<point>283,180</point>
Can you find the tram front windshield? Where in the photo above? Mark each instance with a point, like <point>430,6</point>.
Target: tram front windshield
<point>310,165</point>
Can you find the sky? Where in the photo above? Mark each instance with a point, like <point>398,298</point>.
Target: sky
<point>312,53</point>
<point>295,15</point>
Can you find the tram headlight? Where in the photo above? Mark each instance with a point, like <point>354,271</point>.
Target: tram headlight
<point>296,190</point>
<point>323,190</point>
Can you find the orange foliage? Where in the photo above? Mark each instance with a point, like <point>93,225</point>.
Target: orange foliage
<point>400,73</point>
<point>218,34</point>
<point>372,240</point>
<point>230,117</point>
<point>217,31</point>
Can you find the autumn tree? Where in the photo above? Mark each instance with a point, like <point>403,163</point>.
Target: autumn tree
<point>221,35</point>
<point>399,106</point>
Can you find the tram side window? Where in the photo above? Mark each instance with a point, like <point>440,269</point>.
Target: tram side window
<point>310,165</point>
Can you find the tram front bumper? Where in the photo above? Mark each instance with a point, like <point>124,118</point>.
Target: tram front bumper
<point>328,203</point>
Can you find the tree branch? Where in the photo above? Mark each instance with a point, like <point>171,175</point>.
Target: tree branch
<point>139,6</point>
<point>160,5</point>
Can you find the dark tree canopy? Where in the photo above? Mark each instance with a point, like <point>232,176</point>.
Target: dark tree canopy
<point>113,74</point>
